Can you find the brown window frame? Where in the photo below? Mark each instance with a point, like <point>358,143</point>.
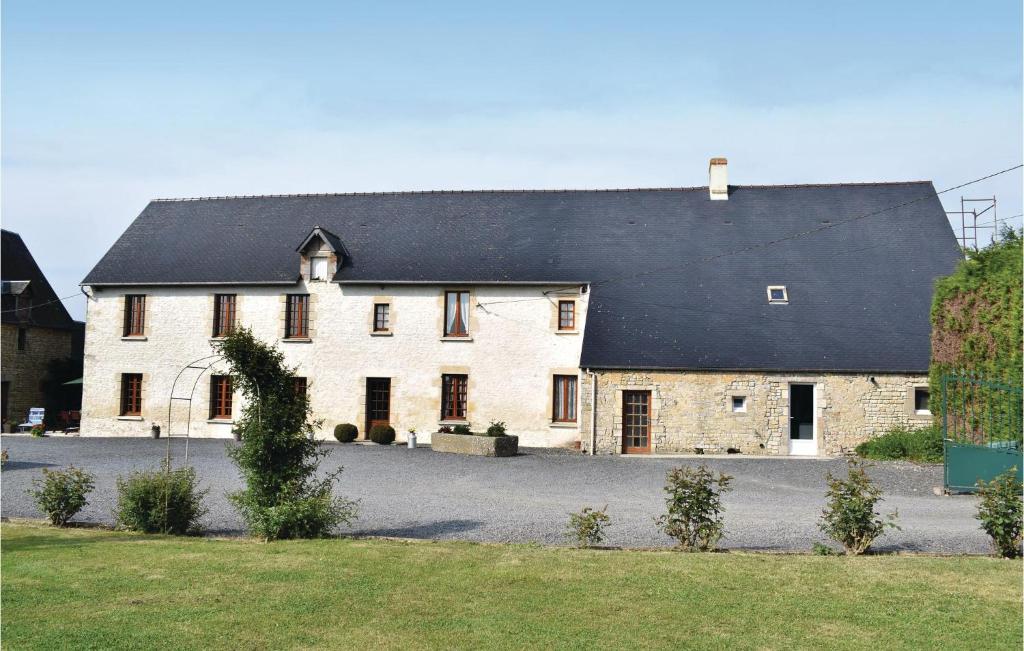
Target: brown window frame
<point>296,316</point>
<point>382,317</point>
<point>131,394</point>
<point>221,397</point>
<point>457,321</point>
<point>454,396</point>
<point>134,315</point>
<point>570,323</point>
<point>560,409</point>
<point>300,385</point>
<point>225,312</point>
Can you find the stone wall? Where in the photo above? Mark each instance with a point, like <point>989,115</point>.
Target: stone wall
<point>24,370</point>
<point>512,351</point>
<point>691,410</point>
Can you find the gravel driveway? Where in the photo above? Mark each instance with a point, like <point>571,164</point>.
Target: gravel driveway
<point>419,493</point>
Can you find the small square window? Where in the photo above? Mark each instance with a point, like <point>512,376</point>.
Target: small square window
<point>777,294</point>
<point>921,396</point>
<point>739,404</point>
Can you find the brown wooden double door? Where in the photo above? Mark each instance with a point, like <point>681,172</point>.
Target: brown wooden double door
<point>378,403</point>
<point>636,422</point>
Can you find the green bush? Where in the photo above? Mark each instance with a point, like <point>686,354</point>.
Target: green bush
<point>382,434</point>
<point>312,514</point>
<point>695,508</point>
<point>160,501</point>
<point>586,528</point>
<point>38,431</point>
<point>1000,512</point>
<point>462,429</point>
<point>922,445</point>
<point>60,494</point>
<point>346,432</point>
<point>849,517</point>
<point>497,428</point>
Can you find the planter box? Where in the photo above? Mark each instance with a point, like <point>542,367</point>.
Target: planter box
<point>487,446</point>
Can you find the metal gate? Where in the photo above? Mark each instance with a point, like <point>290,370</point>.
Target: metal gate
<point>981,430</point>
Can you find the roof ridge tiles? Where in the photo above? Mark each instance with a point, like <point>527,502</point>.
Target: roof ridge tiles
<point>527,191</point>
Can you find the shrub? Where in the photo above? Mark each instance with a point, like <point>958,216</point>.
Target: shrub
<point>309,515</point>
<point>586,528</point>
<point>849,517</point>
<point>823,550</point>
<point>497,428</point>
<point>462,429</point>
<point>38,431</point>
<point>444,429</point>
<point>284,495</point>
<point>60,494</point>
<point>695,509</point>
<point>922,445</point>
<point>4,458</point>
<point>160,501</point>
<point>346,432</point>
<point>1000,512</point>
<point>382,434</point>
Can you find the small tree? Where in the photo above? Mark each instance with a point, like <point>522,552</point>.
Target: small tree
<point>849,517</point>
<point>586,528</point>
<point>60,494</point>
<point>695,508</point>
<point>278,457</point>
<point>1000,512</point>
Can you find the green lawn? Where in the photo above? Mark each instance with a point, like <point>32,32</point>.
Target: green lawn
<point>83,588</point>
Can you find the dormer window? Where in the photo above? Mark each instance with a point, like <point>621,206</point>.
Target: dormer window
<point>777,294</point>
<point>318,267</point>
<point>320,255</point>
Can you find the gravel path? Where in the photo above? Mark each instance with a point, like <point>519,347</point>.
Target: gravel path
<point>419,493</point>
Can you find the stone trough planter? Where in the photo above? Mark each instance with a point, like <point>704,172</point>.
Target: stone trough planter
<point>486,446</point>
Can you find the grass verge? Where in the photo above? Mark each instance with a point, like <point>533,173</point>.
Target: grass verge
<point>81,588</point>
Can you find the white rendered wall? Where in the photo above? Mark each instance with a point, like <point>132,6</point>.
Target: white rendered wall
<point>513,350</point>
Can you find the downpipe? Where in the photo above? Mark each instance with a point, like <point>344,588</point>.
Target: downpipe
<point>593,412</point>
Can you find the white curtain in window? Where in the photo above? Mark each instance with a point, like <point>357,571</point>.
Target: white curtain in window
<point>449,319</point>
<point>464,311</point>
<point>559,398</point>
<point>572,399</point>
<point>318,270</point>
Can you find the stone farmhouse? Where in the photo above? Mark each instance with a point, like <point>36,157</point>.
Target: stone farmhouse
<point>37,330</point>
<point>760,319</point>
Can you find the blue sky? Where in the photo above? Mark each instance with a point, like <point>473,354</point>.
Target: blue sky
<point>107,105</point>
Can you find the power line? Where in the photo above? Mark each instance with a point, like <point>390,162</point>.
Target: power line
<point>35,305</point>
<point>794,236</point>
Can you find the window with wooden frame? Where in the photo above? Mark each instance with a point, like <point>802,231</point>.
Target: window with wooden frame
<point>223,315</point>
<point>456,314</point>
<point>296,317</point>
<point>300,385</point>
<point>134,315</point>
<point>453,397</point>
<point>131,394</point>
<point>381,317</point>
<point>566,315</point>
<point>564,399</point>
<point>220,397</point>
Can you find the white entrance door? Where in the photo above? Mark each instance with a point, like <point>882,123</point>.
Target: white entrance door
<point>802,434</point>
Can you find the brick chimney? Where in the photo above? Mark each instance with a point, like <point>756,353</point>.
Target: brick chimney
<point>718,179</point>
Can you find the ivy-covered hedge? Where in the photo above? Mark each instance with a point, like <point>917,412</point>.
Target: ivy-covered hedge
<point>977,316</point>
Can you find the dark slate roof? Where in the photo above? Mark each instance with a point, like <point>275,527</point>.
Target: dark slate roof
<point>669,289</point>
<point>23,281</point>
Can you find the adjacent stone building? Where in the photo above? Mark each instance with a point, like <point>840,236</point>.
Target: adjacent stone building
<point>754,319</point>
<point>36,330</point>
